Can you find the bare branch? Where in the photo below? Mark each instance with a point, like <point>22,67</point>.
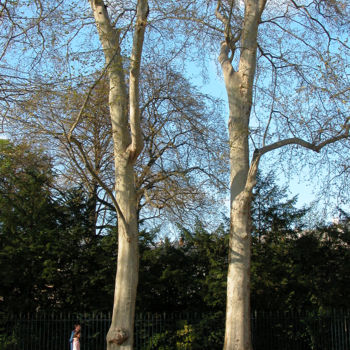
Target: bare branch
<point>135,126</point>
<point>300,142</point>
<point>97,178</point>
<point>224,59</point>
<point>83,106</point>
<point>340,92</point>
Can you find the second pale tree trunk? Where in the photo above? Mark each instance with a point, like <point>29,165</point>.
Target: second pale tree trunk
<point>239,87</point>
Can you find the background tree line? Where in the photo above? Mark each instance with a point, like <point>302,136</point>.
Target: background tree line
<point>52,258</point>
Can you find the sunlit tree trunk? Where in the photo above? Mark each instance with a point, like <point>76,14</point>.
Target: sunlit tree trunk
<point>128,261</point>
<point>239,86</point>
<point>128,144</point>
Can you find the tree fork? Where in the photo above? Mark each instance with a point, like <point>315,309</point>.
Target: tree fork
<point>128,144</point>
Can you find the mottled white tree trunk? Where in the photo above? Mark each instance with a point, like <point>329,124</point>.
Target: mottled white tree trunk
<point>239,86</point>
<point>128,144</point>
<point>128,261</point>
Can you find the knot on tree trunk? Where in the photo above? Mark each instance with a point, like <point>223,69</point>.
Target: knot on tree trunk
<point>117,336</point>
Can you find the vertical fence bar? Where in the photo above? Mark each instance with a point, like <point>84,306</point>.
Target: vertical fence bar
<point>137,331</point>
<point>346,334</point>
<point>29,331</point>
<point>27,339</point>
<point>343,323</point>
<point>146,330</point>
<point>339,331</point>
<point>341,334</point>
<point>92,321</point>
<point>29,326</point>
<point>64,328</point>
<point>21,330</point>
<point>25,331</point>
<point>332,330</point>
<point>50,331</point>
<point>336,336</point>
<point>63,344</point>
<point>47,333</point>
<point>347,329</point>
<point>106,326</point>
<point>44,327</point>
<point>40,335</point>
<point>346,345</point>
<point>36,329</point>
<point>150,327</point>
<point>64,340</point>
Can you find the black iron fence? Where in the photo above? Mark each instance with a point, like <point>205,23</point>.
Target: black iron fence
<point>184,331</point>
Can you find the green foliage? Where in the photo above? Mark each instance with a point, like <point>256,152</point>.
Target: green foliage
<point>181,339</point>
<point>49,258</point>
<point>27,218</point>
<point>8,342</point>
<point>274,215</point>
<point>167,279</point>
<point>52,258</point>
<point>310,271</point>
<point>185,338</point>
<point>161,341</point>
<point>292,268</point>
<point>196,334</point>
<point>209,331</point>
<point>188,275</point>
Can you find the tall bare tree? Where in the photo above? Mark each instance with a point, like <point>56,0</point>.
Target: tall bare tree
<point>127,145</point>
<point>51,36</point>
<point>295,37</point>
<point>286,71</point>
<point>162,176</point>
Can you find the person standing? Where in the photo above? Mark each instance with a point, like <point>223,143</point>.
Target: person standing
<point>76,340</point>
<point>75,332</point>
